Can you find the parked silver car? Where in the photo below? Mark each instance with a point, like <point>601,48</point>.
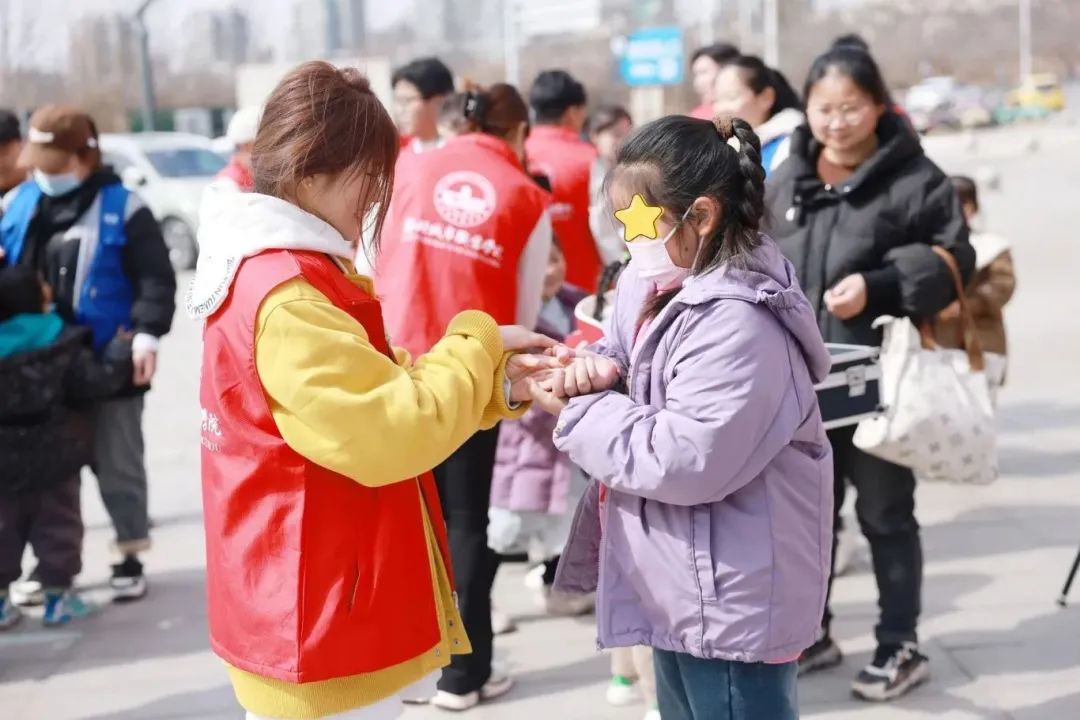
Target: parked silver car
<point>170,172</point>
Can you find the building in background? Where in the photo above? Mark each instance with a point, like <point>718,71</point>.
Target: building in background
<point>214,37</point>
<point>326,29</point>
<point>104,51</point>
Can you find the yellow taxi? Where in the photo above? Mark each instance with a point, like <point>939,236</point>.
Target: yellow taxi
<point>1042,92</point>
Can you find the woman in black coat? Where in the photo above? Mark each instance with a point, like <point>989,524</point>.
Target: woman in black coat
<point>856,208</point>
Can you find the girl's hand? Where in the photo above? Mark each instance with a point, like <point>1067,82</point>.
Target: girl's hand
<point>545,399</point>
<point>585,374</point>
<point>847,298</point>
<point>523,366</point>
<point>518,339</point>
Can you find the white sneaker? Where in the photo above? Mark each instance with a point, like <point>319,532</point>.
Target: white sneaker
<point>566,605</point>
<point>27,593</point>
<point>534,579</point>
<point>457,703</point>
<point>622,692</point>
<point>499,684</point>
<point>501,623</point>
<point>653,714</point>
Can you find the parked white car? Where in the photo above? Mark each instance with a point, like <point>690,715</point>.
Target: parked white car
<point>170,172</point>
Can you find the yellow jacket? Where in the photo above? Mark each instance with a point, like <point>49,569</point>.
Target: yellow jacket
<point>342,404</point>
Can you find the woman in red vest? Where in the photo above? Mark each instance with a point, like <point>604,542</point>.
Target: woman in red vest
<point>329,581</point>
<point>467,229</point>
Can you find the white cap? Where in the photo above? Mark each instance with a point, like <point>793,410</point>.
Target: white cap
<point>244,125</point>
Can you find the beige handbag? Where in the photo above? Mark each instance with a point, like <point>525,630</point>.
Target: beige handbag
<point>939,418</point>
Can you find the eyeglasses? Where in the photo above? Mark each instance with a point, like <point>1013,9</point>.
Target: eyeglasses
<point>406,100</point>
<point>848,114</point>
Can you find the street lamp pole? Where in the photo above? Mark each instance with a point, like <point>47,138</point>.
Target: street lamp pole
<point>511,49</point>
<point>708,18</point>
<point>145,69</point>
<point>772,33</point>
<point>1025,39</point>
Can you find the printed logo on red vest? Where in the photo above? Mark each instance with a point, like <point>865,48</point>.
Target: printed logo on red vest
<point>211,429</point>
<point>465,198</point>
<point>453,239</point>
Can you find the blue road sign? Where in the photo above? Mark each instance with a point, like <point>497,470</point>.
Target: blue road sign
<point>654,56</point>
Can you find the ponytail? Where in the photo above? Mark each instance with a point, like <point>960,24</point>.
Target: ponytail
<point>498,110</point>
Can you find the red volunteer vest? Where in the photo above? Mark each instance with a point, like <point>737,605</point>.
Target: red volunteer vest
<point>567,160</point>
<point>310,575</point>
<point>459,220</point>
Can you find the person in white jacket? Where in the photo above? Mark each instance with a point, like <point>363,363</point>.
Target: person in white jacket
<point>749,89</point>
<point>241,132</point>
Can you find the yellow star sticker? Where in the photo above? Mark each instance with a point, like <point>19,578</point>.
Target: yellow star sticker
<point>639,219</point>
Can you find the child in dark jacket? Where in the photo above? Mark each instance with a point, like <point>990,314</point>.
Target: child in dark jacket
<point>49,375</point>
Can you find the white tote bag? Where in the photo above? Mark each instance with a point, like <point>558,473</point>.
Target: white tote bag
<point>939,419</point>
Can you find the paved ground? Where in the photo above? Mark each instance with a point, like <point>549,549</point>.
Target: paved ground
<point>995,556</point>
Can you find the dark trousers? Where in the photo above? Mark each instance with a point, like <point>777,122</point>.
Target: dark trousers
<point>885,508</point>
<point>689,688</point>
<point>51,522</point>
<point>464,482</point>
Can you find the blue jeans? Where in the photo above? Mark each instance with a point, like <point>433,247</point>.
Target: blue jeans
<point>690,688</point>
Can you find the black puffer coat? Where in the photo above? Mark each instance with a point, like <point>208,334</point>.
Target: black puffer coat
<point>880,222</point>
<point>45,426</point>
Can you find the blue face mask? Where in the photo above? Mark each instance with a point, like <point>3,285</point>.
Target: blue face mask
<point>56,185</point>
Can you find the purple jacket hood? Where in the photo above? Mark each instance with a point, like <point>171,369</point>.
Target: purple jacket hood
<point>768,279</point>
<point>715,531</point>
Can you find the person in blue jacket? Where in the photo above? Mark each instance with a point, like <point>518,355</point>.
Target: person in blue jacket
<point>101,250</point>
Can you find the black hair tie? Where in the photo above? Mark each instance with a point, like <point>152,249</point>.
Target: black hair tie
<point>476,107</point>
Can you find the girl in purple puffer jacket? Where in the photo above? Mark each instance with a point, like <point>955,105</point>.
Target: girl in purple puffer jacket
<point>708,534</point>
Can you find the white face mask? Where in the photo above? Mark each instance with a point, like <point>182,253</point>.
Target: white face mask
<point>653,261</point>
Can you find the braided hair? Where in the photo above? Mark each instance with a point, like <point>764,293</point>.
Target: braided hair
<point>608,277</point>
<point>673,161</point>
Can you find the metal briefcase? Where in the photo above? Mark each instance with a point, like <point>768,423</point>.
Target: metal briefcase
<point>852,392</point>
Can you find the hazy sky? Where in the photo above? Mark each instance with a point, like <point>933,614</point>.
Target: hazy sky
<point>33,39</point>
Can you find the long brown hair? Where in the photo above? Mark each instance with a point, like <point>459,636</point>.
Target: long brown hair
<point>323,120</point>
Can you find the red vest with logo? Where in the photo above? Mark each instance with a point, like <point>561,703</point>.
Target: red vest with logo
<point>567,161</point>
<point>459,220</point>
<point>310,575</point>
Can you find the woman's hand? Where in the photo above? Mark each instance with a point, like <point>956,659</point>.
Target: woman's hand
<point>586,373</point>
<point>847,298</point>
<point>517,339</point>
<point>545,399</point>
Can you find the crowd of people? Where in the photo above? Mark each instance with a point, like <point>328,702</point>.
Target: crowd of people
<point>396,400</point>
